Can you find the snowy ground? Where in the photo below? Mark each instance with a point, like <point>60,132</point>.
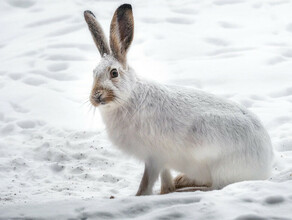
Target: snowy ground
<point>55,159</point>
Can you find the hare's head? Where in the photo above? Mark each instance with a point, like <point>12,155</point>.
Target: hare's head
<point>113,78</point>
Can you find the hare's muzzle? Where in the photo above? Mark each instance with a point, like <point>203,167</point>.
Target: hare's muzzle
<point>97,98</point>
<point>101,97</point>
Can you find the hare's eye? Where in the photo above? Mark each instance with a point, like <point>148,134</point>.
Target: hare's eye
<point>114,73</point>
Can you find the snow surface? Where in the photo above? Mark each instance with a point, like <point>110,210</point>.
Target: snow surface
<point>55,159</point>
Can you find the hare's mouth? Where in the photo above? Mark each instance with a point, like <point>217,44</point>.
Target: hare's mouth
<point>101,98</point>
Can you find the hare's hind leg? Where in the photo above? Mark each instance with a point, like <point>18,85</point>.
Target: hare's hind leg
<point>167,184</point>
<point>183,181</point>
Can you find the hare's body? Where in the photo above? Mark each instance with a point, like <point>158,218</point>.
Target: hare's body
<point>212,141</point>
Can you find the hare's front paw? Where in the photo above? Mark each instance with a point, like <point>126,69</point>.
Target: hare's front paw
<point>167,185</point>
<point>167,189</point>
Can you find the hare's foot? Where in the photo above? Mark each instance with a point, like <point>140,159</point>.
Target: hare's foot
<point>167,184</point>
<point>182,181</point>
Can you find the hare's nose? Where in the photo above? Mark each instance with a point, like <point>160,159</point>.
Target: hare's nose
<point>97,96</point>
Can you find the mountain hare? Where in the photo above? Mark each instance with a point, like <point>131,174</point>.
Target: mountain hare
<point>212,141</point>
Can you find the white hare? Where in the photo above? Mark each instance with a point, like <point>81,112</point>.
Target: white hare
<point>212,141</point>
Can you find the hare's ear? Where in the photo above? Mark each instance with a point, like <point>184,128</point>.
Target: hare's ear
<point>97,33</point>
<point>122,32</point>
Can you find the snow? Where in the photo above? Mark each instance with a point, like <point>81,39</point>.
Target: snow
<point>55,159</point>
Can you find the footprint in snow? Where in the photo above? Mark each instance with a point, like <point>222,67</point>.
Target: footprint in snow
<point>287,54</point>
<point>227,2</point>
<point>282,93</point>
<point>65,57</point>
<point>275,60</point>
<point>151,20</point>
<point>80,46</point>
<point>289,27</point>
<point>18,108</point>
<point>26,124</point>
<point>179,20</point>
<point>225,51</point>
<point>56,167</point>
<point>250,217</point>
<point>228,25</point>
<point>217,42</point>
<point>15,76</point>
<point>48,21</point>
<point>33,81</point>
<point>66,30</point>
<point>21,3</point>
<point>1,116</point>
<point>8,128</point>
<point>184,11</point>
<point>56,67</point>
<point>274,200</point>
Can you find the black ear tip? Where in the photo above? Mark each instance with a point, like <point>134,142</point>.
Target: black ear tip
<point>125,7</point>
<point>87,12</point>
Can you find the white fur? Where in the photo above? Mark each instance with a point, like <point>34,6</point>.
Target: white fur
<point>213,141</point>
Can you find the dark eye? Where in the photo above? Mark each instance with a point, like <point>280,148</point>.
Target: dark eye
<point>114,73</point>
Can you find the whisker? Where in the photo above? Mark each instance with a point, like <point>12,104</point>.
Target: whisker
<point>85,102</point>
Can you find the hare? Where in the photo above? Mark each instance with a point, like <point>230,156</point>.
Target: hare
<point>211,141</point>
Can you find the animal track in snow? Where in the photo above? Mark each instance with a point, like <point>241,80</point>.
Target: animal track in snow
<point>179,20</point>
<point>275,60</point>
<point>273,200</point>
<point>15,76</point>
<point>65,57</point>
<point>18,108</point>
<point>280,121</point>
<point>250,217</point>
<point>33,81</point>
<point>282,93</point>
<point>66,30</point>
<point>26,124</point>
<point>109,178</point>
<point>227,2</point>
<point>229,51</point>
<point>48,21</point>
<point>1,116</point>
<point>79,46</point>
<point>56,67</point>
<point>151,20</point>
<point>217,42</point>
<point>287,54</point>
<point>289,27</point>
<point>8,128</point>
<point>56,76</point>
<point>56,167</point>
<point>184,11</point>
<point>21,3</point>
<point>228,25</point>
